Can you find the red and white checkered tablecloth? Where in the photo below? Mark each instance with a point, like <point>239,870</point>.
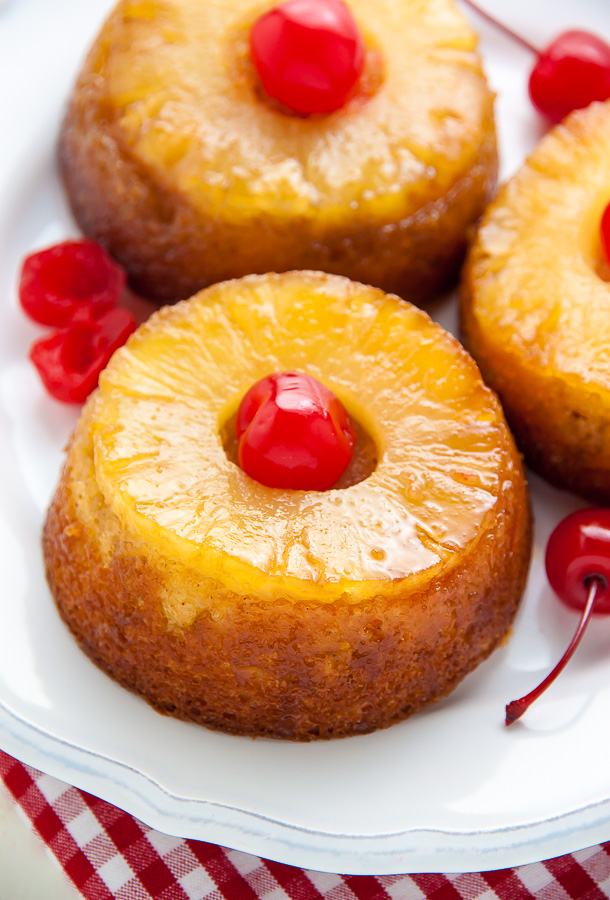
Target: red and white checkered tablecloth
<point>109,855</point>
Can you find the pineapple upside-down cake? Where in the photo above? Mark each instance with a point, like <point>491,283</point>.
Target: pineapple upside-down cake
<point>536,304</point>
<point>176,159</point>
<point>295,614</point>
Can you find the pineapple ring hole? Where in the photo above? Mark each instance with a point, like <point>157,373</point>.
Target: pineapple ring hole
<point>590,238</point>
<point>244,74</point>
<point>602,267</point>
<point>362,464</point>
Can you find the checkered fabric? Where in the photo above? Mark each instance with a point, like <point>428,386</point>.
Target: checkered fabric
<point>109,855</point>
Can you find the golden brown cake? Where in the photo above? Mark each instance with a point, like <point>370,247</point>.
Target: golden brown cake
<point>286,613</point>
<point>175,161</point>
<point>536,304</point>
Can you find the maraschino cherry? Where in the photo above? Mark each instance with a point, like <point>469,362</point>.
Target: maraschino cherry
<point>309,54</point>
<point>578,568</point>
<point>294,433</point>
<point>62,282</point>
<point>70,360</point>
<point>572,72</point>
<point>74,286</point>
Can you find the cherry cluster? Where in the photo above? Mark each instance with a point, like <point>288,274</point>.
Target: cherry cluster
<point>74,287</point>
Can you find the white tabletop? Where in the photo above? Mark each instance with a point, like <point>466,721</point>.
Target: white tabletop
<point>27,869</point>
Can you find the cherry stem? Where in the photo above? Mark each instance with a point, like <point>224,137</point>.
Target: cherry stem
<point>502,27</point>
<point>516,708</point>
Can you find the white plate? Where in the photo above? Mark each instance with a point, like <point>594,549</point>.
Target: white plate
<point>450,789</point>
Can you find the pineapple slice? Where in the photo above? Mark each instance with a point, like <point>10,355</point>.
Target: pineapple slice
<point>176,163</point>
<point>536,304</point>
<point>290,613</point>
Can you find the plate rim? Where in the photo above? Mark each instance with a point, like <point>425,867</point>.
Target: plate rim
<point>429,849</point>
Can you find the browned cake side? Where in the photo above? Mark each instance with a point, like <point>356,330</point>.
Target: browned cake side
<point>286,670</point>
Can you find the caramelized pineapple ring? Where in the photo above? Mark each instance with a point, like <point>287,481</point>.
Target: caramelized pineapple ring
<point>176,163</point>
<point>536,304</point>
<point>179,573</point>
<point>245,156</point>
<point>160,462</point>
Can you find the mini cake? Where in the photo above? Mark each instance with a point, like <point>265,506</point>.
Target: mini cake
<point>176,160</point>
<point>536,304</point>
<point>291,614</point>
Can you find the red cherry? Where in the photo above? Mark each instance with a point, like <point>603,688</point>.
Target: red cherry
<point>578,568</point>
<point>605,232</point>
<point>59,283</point>
<point>69,362</point>
<point>309,54</point>
<point>293,433</point>
<point>572,72</point>
<point>578,550</point>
